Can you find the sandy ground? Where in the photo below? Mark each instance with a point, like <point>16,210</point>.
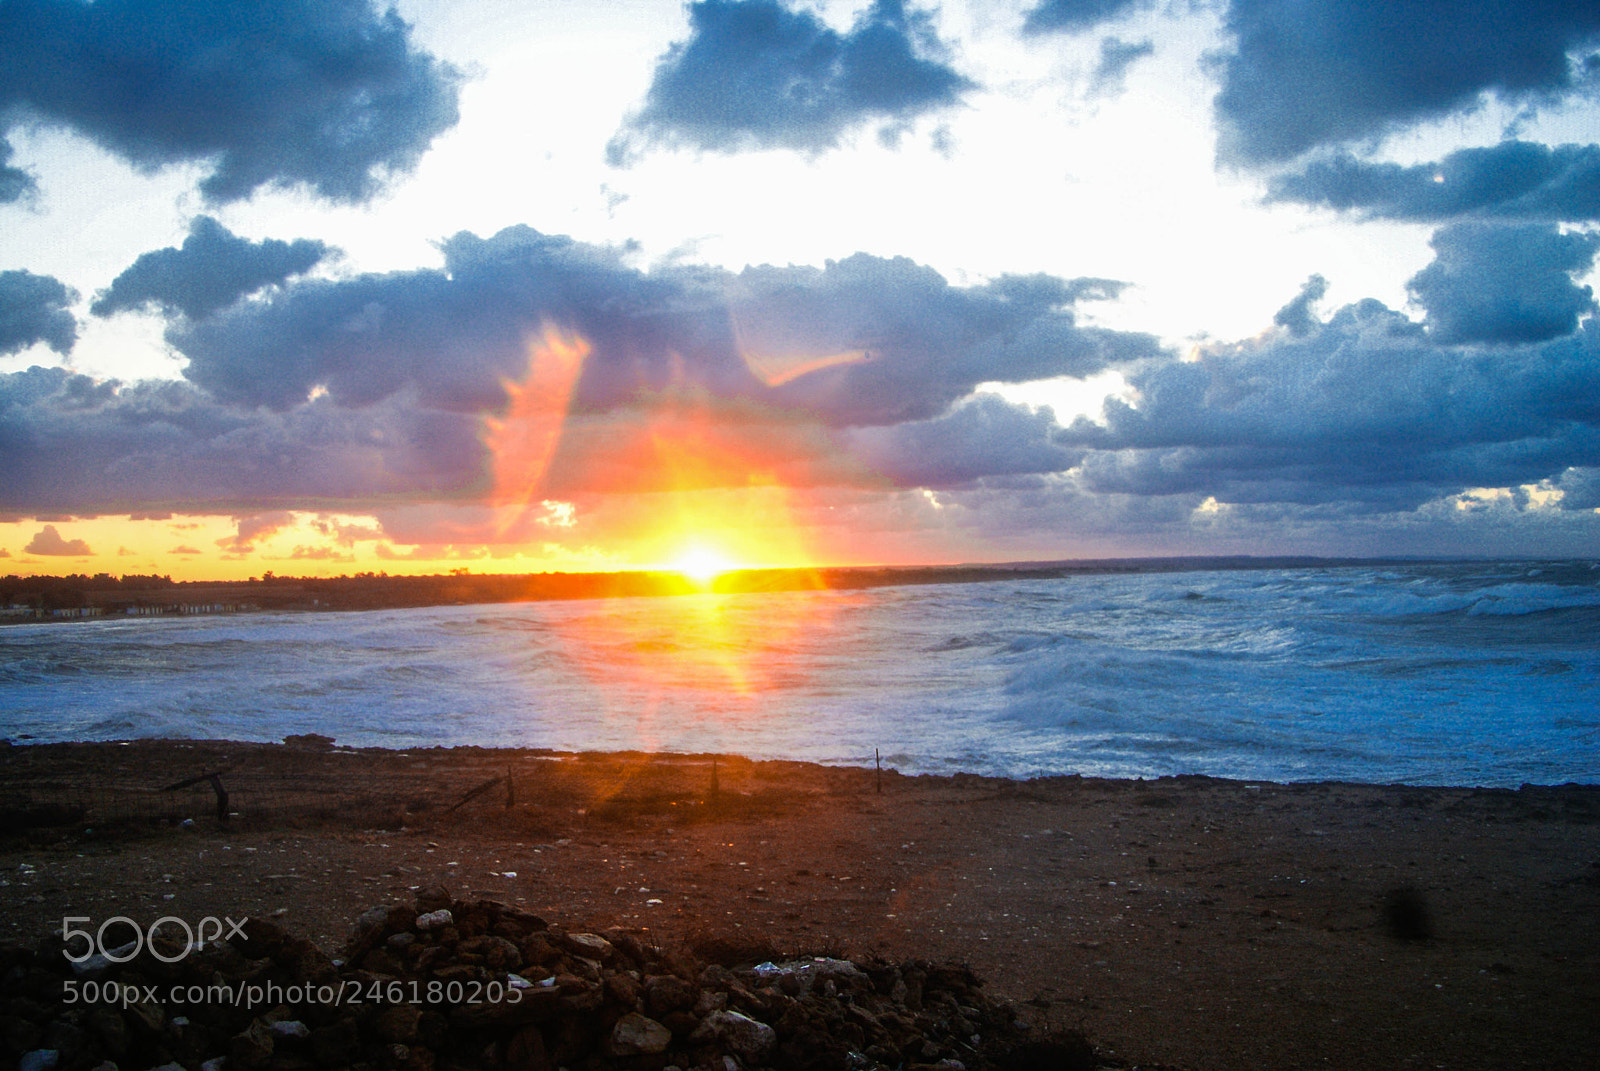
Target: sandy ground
<point>1192,922</point>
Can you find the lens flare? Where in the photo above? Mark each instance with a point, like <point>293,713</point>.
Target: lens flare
<point>522,442</point>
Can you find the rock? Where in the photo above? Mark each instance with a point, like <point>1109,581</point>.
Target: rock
<point>308,742</point>
<point>337,1044</point>
<point>251,1048</point>
<point>669,993</point>
<point>19,1034</point>
<point>258,937</point>
<point>637,1035</point>
<point>526,1051</point>
<point>623,991</point>
<point>397,1023</point>
<point>303,959</point>
<point>110,1031</point>
<point>589,945</point>
<point>585,1001</point>
<point>747,1037</point>
<point>709,1001</point>
<point>69,1039</point>
<point>371,919</point>
<point>497,953</point>
<point>433,897</point>
<point>146,1018</point>
<point>383,961</point>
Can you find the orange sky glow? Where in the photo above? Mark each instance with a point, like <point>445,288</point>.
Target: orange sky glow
<point>678,486</point>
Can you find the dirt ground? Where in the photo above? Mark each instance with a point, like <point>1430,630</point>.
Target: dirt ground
<point>1192,922</point>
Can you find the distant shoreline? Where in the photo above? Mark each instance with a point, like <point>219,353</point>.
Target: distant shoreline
<point>27,600</point>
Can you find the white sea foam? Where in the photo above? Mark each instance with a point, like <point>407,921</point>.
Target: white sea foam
<point>1467,674</point>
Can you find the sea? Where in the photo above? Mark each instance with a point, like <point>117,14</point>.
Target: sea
<point>1444,673</point>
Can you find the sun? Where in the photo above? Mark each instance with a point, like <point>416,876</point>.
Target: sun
<point>702,564</point>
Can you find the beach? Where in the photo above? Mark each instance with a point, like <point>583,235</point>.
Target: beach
<point>1191,922</point>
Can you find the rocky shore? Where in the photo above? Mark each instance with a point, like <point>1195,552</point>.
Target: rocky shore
<point>451,985</point>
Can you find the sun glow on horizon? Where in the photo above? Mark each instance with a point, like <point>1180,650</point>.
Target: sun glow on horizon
<point>702,564</point>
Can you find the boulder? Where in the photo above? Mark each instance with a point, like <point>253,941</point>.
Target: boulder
<point>639,1035</point>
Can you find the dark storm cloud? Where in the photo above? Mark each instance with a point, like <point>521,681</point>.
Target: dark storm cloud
<point>1512,180</point>
<point>924,343</point>
<point>71,445</point>
<point>15,183</point>
<point>1505,283</point>
<point>456,335</point>
<point>1116,56</point>
<point>1325,72</point>
<point>1299,316</point>
<point>329,94</point>
<point>34,308</point>
<point>1076,16</point>
<point>1580,488</point>
<point>210,271</point>
<point>375,387</point>
<point>1366,409</point>
<point>984,437</point>
<point>755,74</point>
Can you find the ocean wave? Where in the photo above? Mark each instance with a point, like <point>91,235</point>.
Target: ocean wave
<point>1475,673</point>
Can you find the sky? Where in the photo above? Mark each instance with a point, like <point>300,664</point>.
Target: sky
<point>315,287</point>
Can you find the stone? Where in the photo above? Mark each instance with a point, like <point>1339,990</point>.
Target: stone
<point>589,945</point>
<point>585,1000</point>
<point>69,1039</point>
<point>434,920</point>
<point>709,1001</point>
<point>623,991</point>
<point>433,897</point>
<point>497,953</point>
<point>526,1051</point>
<point>109,1030</point>
<point>372,918</point>
<point>747,1037</point>
<point>251,1048</point>
<point>39,1060</point>
<point>337,1044</point>
<point>669,993</point>
<point>19,1033</point>
<point>639,1035</point>
<point>146,1018</point>
<point>397,1023</point>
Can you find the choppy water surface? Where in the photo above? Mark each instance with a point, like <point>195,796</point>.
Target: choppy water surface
<point>1482,674</point>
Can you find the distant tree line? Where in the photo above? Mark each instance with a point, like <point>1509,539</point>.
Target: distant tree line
<point>103,592</point>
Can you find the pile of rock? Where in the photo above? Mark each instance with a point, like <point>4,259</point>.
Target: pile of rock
<point>447,984</point>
